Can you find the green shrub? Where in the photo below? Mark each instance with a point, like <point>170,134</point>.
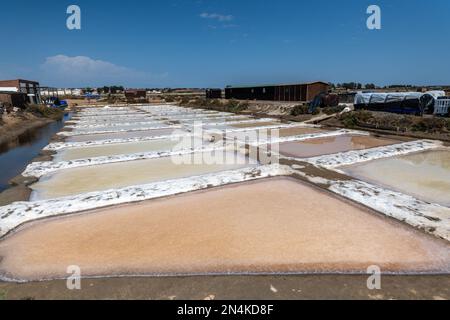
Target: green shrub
<point>2,295</point>
<point>184,101</point>
<point>349,120</point>
<point>46,112</point>
<point>332,110</point>
<point>235,106</point>
<point>430,125</point>
<point>299,110</point>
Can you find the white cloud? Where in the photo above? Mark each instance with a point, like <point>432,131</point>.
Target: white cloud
<point>62,70</point>
<point>217,16</point>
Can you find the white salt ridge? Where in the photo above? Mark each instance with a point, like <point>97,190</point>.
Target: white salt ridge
<point>189,116</point>
<point>358,156</point>
<point>99,121</point>
<point>310,136</point>
<point>110,113</point>
<point>39,169</point>
<point>112,125</point>
<point>58,146</point>
<point>270,127</point>
<point>203,117</point>
<point>109,117</point>
<point>223,123</point>
<point>15,214</point>
<point>77,133</point>
<point>431,218</point>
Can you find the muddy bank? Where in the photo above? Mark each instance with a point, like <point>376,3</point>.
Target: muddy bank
<point>20,131</point>
<point>393,124</point>
<point>24,135</point>
<point>306,287</point>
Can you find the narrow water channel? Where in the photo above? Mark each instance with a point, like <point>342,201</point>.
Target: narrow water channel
<point>14,161</point>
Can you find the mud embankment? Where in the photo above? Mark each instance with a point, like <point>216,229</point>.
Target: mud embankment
<point>20,130</point>
<point>16,131</point>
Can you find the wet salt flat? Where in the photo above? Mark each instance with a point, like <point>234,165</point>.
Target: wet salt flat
<point>117,175</point>
<point>424,175</point>
<point>331,145</point>
<point>126,135</point>
<point>212,232</point>
<point>129,148</point>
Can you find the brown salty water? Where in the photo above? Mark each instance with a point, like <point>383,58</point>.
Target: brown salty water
<point>331,145</point>
<point>257,227</point>
<point>118,175</point>
<point>125,135</point>
<point>125,148</point>
<point>424,175</point>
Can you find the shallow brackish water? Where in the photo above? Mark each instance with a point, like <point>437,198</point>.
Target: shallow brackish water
<point>424,175</point>
<point>256,227</point>
<point>128,148</point>
<point>117,175</point>
<point>15,160</point>
<point>331,145</point>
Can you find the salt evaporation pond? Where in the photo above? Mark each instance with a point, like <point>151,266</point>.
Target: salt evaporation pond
<point>424,175</point>
<point>129,148</point>
<point>118,175</point>
<point>256,227</point>
<point>330,145</point>
<point>126,135</point>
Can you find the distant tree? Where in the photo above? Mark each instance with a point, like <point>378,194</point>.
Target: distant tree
<point>350,85</point>
<point>99,90</point>
<point>106,89</point>
<point>370,86</point>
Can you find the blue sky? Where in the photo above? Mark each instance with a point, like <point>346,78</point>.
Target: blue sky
<point>212,43</point>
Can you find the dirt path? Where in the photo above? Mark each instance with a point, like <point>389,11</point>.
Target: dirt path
<point>238,287</point>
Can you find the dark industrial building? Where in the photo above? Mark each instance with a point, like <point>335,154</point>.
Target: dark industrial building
<point>15,99</point>
<point>133,95</point>
<point>213,93</point>
<point>29,88</point>
<point>289,92</point>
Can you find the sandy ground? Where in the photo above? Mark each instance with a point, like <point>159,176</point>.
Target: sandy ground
<point>322,146</point>
<point>252,227</point>
<point>237,287</point>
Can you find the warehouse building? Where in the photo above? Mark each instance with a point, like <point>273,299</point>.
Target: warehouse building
<point>287,92</point>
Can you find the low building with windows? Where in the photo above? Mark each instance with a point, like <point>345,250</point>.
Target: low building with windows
<point>30,88</point>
